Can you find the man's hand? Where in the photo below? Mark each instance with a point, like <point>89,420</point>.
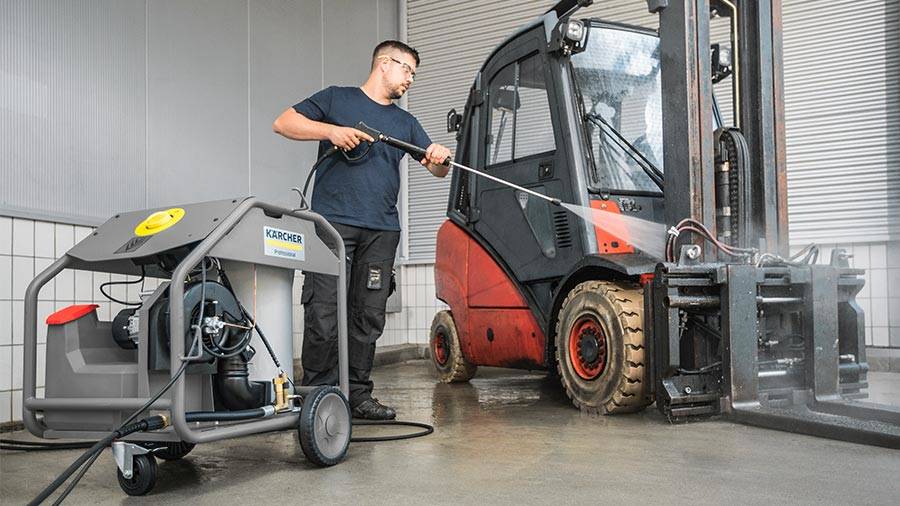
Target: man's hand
<point>347,138</point>
<point>434,160</point>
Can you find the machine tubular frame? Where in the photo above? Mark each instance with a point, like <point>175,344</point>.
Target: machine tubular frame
<point>174,401</point>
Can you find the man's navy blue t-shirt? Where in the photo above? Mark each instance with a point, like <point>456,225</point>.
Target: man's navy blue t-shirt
<point>361,193</point>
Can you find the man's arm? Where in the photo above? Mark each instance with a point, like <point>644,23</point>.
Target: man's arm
<point>293,125</point>
<point>434,157</point>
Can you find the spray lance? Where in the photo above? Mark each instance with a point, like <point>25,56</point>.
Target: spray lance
<point>419,153</point>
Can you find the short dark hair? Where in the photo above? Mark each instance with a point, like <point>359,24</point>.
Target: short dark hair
<point>394,44</point>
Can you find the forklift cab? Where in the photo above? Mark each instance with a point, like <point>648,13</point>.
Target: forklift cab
<point>583,126</point>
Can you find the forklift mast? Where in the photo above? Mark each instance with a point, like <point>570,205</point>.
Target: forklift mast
<point>758,105</point>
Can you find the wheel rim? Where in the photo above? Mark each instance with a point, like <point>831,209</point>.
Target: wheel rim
<point>332,426</point>
<point>440,346</point>
<point>587,348</point>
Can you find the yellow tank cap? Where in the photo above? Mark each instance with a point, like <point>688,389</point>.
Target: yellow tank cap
<point>159,221</point>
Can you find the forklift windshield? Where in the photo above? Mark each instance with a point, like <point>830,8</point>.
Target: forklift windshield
<point>618,82</point>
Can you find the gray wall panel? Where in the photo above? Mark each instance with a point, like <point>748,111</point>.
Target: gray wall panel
<point>285,67</point>
<point>198,140</point>
<point>351,32</point>
<point>82,136</point>
<point>72,107</point>
<point>388,20</point>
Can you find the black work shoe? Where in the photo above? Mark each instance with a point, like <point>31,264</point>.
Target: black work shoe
<point>371,409</point>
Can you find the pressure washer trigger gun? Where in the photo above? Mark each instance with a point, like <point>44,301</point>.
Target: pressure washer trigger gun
<point>375,134</point>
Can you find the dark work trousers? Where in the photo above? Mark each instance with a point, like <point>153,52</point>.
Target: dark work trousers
<point>370,260</point>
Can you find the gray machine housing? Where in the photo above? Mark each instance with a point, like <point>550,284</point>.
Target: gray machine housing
<point>93,384</point>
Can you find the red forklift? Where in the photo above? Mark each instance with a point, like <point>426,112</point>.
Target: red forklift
<point>710,315</point>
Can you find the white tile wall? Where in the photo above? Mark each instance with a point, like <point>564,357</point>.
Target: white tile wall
<point>28,246</point>
<point>5,323</point>
<point>23,237</point>
<point>413,323</point>
<point>44,239</point>
<point>880,297</point>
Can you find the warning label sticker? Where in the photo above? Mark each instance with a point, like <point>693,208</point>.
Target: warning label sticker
<point>283,243</point>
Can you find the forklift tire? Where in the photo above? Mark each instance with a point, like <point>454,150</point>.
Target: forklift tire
<point>600,352</point>
<point>324,426</point>
<point>143,477</point>
<point>450,365</point>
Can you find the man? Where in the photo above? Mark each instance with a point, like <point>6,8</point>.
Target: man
<point>357,193</point>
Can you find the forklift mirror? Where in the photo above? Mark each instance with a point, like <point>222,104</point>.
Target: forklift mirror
<point>506,100</point>
<point>454,120</point>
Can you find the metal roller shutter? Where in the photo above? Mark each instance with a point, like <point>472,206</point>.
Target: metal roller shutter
<point>841,73</point>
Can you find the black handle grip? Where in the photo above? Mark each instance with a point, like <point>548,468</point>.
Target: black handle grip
<point>375,134</point>
<point>413,150</point>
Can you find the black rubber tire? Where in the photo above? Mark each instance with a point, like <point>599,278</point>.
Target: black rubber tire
<point>311,424</point>
<point>173,451</point>
<point>454,368</point>
<point>143,478</point>
<point>622,386</point>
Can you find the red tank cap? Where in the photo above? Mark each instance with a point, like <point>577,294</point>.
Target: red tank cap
<point>70,313</point>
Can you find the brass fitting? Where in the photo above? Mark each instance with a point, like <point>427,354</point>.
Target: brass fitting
<point>281,401</point>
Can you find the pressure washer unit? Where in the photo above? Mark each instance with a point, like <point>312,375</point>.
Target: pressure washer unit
<point>193,349</point>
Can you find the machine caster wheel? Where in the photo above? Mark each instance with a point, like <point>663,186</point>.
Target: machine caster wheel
<point>173,451</point>
<point>446,354</point>
<point>324,426</point>
<point>143,476</point>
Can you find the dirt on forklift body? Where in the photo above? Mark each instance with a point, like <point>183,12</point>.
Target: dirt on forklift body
<point>724,321</point>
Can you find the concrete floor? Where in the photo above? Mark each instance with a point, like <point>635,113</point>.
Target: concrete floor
<point>508,437</point>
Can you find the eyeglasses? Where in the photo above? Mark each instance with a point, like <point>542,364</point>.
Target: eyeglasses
<point>406,68</point>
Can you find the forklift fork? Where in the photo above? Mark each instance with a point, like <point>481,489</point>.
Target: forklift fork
<point>714,353</point>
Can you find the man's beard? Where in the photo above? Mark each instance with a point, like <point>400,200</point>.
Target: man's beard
<point>396,93</point>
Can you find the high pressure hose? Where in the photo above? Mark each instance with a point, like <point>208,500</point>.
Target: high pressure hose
<point>94,449</point>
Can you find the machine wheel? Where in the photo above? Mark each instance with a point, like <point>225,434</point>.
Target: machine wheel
<point>446,354</point>
<point>174,451</point>
<point>324,426</point>
<point>600,349</point>
<point>143,476</point>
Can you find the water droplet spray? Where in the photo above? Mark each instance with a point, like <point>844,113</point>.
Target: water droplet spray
<point>647,236</point>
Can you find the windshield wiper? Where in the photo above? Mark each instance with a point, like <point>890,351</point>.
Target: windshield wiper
<point>634,153</point>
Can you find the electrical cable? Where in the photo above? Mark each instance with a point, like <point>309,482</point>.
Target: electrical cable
<point>124,303</point>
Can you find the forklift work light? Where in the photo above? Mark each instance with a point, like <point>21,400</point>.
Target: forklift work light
<point>575,31</point>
